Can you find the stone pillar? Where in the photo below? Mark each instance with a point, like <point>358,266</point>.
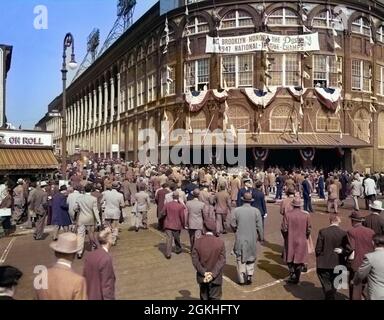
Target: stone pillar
<point>100,105</point>
<point>94,122</point>
<point>112,82</point>
<point>105,102</point>
<point>118,112</point>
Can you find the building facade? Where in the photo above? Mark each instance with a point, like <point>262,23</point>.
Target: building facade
<point>325,107</point>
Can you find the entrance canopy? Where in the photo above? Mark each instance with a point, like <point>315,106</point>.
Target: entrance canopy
<point>27,159</point>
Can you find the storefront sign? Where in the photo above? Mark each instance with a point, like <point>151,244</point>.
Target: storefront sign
<point>263,42</point>
<point>25,139</point>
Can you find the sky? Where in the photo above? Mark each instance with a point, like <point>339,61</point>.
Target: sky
<point>34,79</point>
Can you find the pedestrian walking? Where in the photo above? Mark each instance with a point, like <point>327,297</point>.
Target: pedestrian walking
<point>60,214</point>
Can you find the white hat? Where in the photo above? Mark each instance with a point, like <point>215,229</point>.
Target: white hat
<point>20,181</point>
<point>377,205</point>
<point>43,184</point>
<point>66,243</point>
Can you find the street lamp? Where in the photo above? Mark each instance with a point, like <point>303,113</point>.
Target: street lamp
<point>68,42</point>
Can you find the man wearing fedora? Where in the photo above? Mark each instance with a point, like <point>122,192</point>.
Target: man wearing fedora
<point>88,217</point>
<point>98,269</point>
<point>9,278</point>
<point>208,258</point>
<point>359,243</point>
<point>62,282</point>
<point>247,223</point>
<point>296,228</point>
<point>38,203</point>
<point>113,204</point>
<point>60,214</point>
<point>375,220</point>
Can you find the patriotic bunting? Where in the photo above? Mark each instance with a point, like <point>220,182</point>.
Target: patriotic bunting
<point>260,97</point>
<point>196,100</point>
<point>329,97</point>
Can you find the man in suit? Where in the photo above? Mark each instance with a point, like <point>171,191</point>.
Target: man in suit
<point>88,217</point>
<point>62,282</point>
<point>372,269</point>
<point>307,192</point>
<point>279,186</point>
<point>173,224</point>
<point>39,205</point>
<point>189,187</point>
<point>113,204</point>
<point>296,228</point>
<point>160,199</point>
<point>223,208</point>
<point>235,187</point>
<point>247,223</point>
<point>98,269</point>
<point>208,258</point>
<point>328,255</point>
<point>9,278</point>
<point>71,201</point>
<point>142,206</point>
<point>60,215</point>
<point>369,186</point>
<point>358,245</point>
<point>320,185</point>
<point>195,217</point>
<point>247,189</point>
<point>259,200</point>
<point>375,220</point>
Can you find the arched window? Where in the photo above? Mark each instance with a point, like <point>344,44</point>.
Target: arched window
<point>199,121</point>
<point>236,19</point>
<point>361,26</point>
<point>380,130</point>
<point>151,45</point>
<point>361,122</point>
<point>325,19</point>
<point>196,25</point>
<point>282,118</point>
<point>140,53</point>
<point>283,17</point>
<point>327,121</point>
<point>151,123</point>
<point>380,33</point>
<point>239,117</point>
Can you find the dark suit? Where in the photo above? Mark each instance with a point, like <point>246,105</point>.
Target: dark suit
<point>99,275</point>
<point>326,259</point>
<point>241,193</point>
<point>189,189</point>
<point>173,224</point>
<point>374,222</point>
<point>279,187</point>
<point>359,241</point>
<point>307,196</point>
<point>208,255</point>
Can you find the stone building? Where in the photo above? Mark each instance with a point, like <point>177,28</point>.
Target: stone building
<point>324,108</point>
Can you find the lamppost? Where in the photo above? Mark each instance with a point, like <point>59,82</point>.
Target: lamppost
<point>68,42</point>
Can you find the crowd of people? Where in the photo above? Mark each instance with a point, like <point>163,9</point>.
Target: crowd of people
<point>207,202</point>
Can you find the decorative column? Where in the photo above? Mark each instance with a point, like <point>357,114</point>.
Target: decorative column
<point>100,117</point>
<point>105,117</point>
<point>112,82</point>
<point>118,113</point>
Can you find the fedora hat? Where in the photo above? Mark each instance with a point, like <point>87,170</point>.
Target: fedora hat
<point>356,216</point>
<point>66,243</point>
<point>247,197</point>
<point>377,205</point>
<point>297,202</point>
<point>43,184</point>
<point>9,276</point>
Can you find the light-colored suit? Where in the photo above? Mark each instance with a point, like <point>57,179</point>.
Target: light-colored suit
<point>114,201</point>
<point>142,206</point>
<point>195,219</point>
<point>88,216</point>
<point>372,269</point>
<point>63,284</point>
<point>71,201</point>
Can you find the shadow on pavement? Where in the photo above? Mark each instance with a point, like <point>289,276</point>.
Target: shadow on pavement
<point>276,271</point>
<point>273,246</point>
<point>307,291</point>
<point>230,271</point>
<point>186,295</point>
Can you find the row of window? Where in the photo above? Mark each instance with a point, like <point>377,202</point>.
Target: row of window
<point>281,17</point>
<point>237,71</point>
<point>282,118</point>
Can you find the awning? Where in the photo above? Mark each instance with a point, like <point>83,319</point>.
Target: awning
<point>318,140</point>
<point>27,159</point>
<point>282,141</point>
